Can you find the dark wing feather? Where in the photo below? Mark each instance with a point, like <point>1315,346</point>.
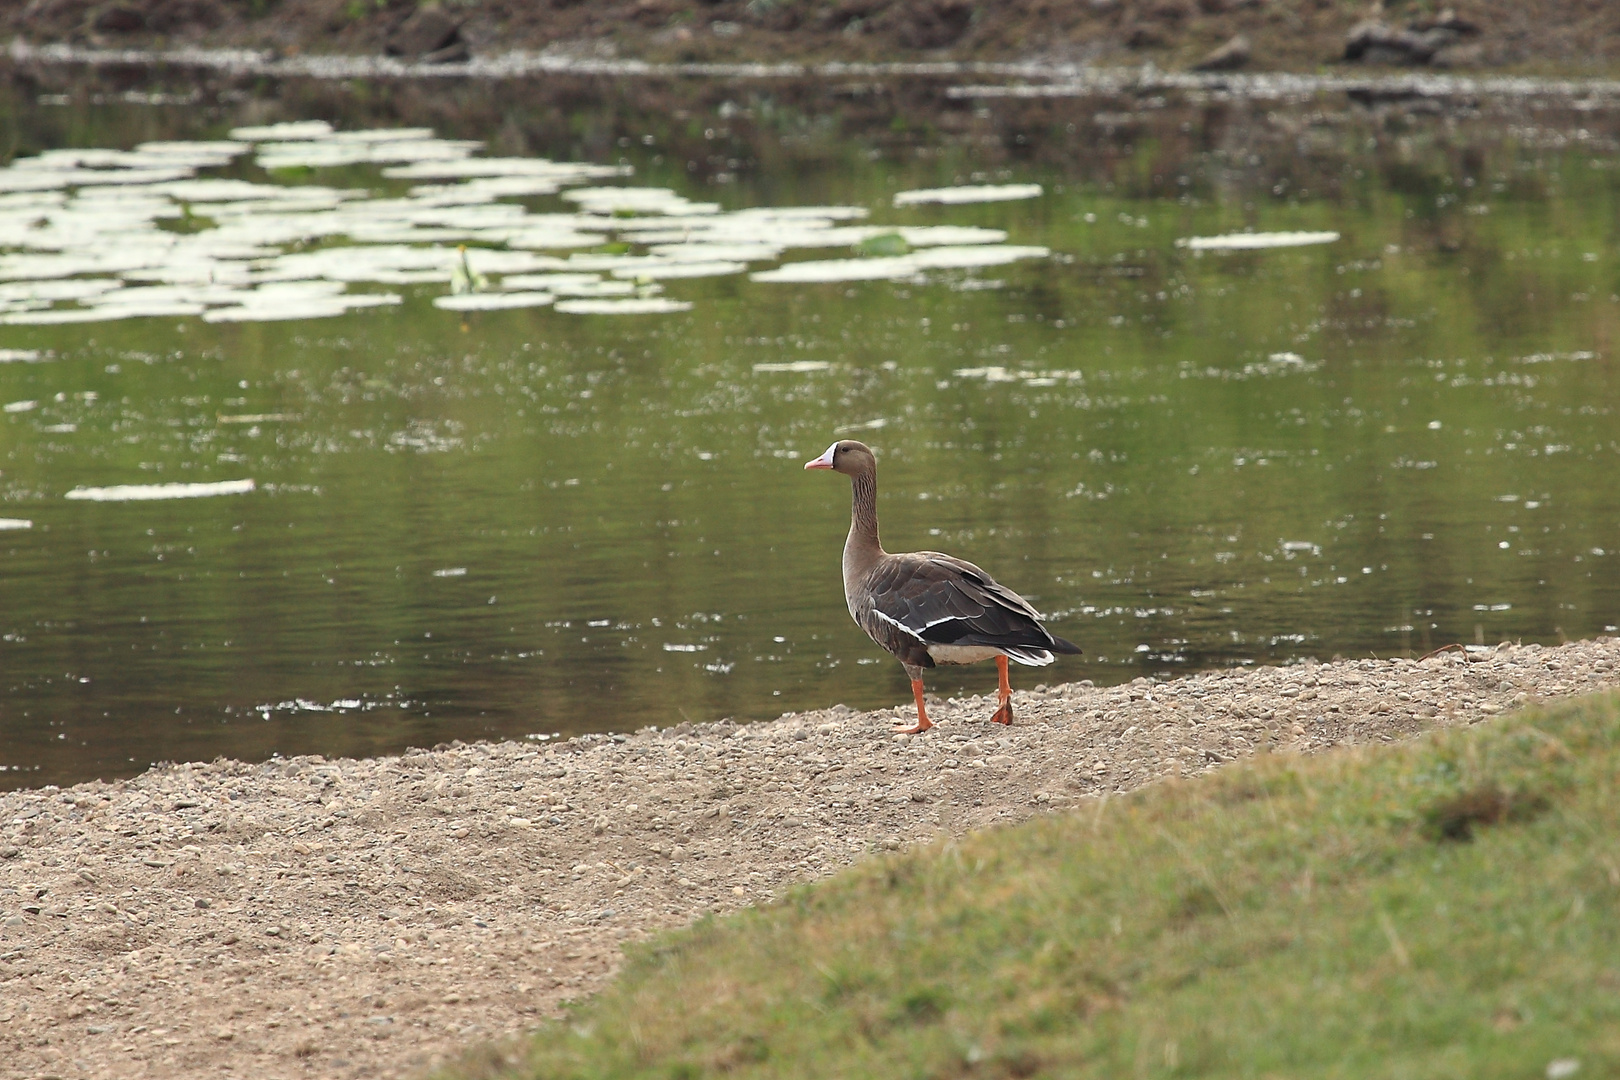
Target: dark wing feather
<point>925,598</point>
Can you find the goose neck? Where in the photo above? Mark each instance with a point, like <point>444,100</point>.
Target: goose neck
<point>863,546</point>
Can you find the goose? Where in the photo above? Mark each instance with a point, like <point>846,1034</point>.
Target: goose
<point>927,608</point>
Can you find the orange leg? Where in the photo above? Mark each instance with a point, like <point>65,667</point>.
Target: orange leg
<point>1003,715</point>
<point>923,723</point>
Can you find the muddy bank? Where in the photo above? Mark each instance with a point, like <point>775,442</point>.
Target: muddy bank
<point>312,917</point>
<point>1570,36</point>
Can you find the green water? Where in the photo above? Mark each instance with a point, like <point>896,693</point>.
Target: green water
<point>1376,446</point>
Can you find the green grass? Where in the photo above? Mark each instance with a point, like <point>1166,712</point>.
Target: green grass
<point>1443,908</point>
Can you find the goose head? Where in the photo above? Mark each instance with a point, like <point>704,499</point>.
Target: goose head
<point>847,456</point>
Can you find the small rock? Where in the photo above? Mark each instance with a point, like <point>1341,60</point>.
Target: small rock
<point>1141,36</point>
<point>453,53</point>
<point>1376,42</point>
<point>426,30</point>
<point>1458,56</point>
<point>172,16</point>
<point>119,19</point>
<point>1229,57</point>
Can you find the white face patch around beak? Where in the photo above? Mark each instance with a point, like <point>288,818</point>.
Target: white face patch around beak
<point>825,461</point>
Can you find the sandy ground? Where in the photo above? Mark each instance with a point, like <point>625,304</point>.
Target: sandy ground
<point>315,918</point>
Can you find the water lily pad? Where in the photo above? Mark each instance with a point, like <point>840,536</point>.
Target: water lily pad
<point>492,301</point>
<point>658,270</point>
<point>468,168</point>
<point>639,200</point>
<point>903,266</point>
<point>296,129</point>
<point>979,193</point>
<point>1255,241</point>
<point>572,285</point>
<point>639,306</point>
<point>146,492</point>
<point>794,366</point>
<point>721,251</point>
<point>66,316</point>
<point>70,289</point>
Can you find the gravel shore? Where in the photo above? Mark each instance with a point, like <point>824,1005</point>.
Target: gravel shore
<point>312,918</point>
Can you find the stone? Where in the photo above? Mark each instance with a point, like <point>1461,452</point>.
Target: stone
<point>425,30</point>
<point>1376,42</point>
<point>119,19</point>
<point>1459,56</point>
<point>1229,57</point>
<point>936,24</point>
<point>453,53</point>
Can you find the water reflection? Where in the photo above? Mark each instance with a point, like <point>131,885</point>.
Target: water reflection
<point>520,521</point>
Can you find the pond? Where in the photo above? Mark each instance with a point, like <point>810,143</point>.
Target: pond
<point>1211,381</point>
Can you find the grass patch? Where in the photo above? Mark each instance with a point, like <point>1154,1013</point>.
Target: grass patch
<point>1443,908</point>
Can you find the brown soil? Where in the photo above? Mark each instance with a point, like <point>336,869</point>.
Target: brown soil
<point>315,918</point>
<point>1570,36</point>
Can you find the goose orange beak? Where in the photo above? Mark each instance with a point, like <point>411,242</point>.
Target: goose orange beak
<point>822,462</point>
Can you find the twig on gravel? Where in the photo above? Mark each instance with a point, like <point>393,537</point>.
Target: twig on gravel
<point>1444,648</point>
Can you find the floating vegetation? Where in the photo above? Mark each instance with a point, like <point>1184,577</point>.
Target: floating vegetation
<point>794,366</point>
<point>87,235</point>
<point>147,492</point>
<point>463,278</point>
<point>680,270</point>
<point>884,244</point>
<point>1255,241</point>
<point>955,196</point>
<point>573,285</point>
<point>637,200</point>
<point>493,301</point>
<point>636,306</point>
<point>902,266</point>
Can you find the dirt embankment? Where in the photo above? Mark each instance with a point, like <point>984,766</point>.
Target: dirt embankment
<point>315,918</point>
<point>1568,36</point>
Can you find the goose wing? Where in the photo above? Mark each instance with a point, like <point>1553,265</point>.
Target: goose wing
<point>930,598</point>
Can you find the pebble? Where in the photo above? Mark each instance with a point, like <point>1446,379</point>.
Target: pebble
<point>259,912</point>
